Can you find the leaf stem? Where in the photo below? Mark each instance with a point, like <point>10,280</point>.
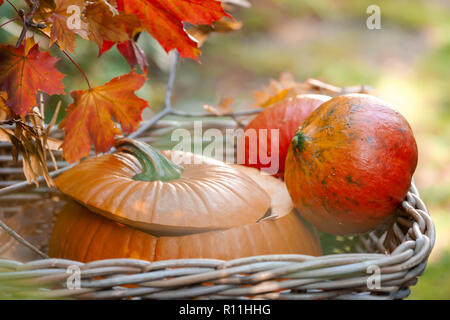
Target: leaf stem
<point>78,67</point>
<point>11,20</point>
<point>71,60</point>
<point>13,6</point>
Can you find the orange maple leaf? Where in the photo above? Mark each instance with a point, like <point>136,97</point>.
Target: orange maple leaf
<point>24,71</point>
<point>63,30</point>
<point>89,119</point>
<point>105,25</point>
<point>276,91</point>
<point>225,106</point>
<point>164,20</point>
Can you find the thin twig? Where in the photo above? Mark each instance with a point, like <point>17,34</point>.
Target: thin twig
<point>25,184</point>
<point>167,102</point>
<point>76,65</point>
<point>147,125</point>
<point>30,16</point>
<point>11,20</point>
<point>34,6</point>
<point>19,238</point>
<point>173,73</point>
<point>28,20</point>
<point>207,114</point>
<point>71,60</point>
<point>24,29</point>
<point>17,11</point>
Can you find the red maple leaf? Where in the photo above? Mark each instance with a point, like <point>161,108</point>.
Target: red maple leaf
<point>24,71</point>
<point>130,50</point>
<point>89,119</point>
<point>133,53</point>
<point>164,20</point>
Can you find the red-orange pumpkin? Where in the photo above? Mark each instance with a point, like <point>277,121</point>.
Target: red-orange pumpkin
<point>285,116</point>
<point>350,164</point>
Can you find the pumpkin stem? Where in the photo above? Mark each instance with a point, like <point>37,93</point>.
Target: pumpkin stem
<point>298,141</point>
<point>155,166</point>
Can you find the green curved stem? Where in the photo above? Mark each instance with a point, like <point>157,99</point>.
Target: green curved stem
<point>299,141</point>
<point>155,166</point>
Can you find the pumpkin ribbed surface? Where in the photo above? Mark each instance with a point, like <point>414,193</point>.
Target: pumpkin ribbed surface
<point>210,194</point>
<point>83,235</point>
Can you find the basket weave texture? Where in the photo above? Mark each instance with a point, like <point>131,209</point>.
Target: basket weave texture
<point>388,264</point>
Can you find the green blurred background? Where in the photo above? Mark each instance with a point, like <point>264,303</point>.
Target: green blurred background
<point>407,62</point>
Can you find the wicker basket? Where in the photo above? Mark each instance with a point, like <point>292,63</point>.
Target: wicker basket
<point>386,263</point>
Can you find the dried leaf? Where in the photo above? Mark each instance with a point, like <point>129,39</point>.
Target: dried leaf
<point>224,25</point>
<point>26,140</point>
<point>62,25</point>
<point>49,142</point>
<point>277,91</point>
<point>4,110</point>
<point>135,56</point>
<point>224,107</point>
<point>106,25</point>
<point>287,87</point>
<point>54,144</point>
<point>89,118</point>
<point>31,169</point>
<point>6,135</point>
<point>240,3</point>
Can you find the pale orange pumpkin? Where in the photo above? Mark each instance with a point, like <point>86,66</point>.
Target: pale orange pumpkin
<point>140,187</point>
<point>84,235</point>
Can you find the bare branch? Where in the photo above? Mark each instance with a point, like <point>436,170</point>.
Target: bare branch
<point>27,244</point>
<point>208,114</point>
